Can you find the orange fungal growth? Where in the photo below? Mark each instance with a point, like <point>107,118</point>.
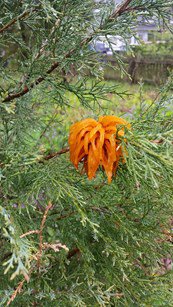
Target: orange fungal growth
<point>97,143</point>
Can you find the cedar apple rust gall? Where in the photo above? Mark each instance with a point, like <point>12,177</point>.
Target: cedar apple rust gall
<point>97,143</point>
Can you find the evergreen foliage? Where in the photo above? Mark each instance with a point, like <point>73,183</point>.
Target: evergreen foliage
<point>64,240</point>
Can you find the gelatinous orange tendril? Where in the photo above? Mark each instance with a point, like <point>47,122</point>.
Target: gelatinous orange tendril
<point>97,143</point>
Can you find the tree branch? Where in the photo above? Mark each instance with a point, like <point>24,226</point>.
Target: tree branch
<point>135,8</point>
<point>73,252</point>
<point>119,11</point>
<point>14,20</point>
<point>18,290</point>
<point>55,154</point>
<point>41,234</point>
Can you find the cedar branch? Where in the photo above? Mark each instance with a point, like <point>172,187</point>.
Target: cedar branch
<point>55,154</point>
<point>119,11</point>
<point>18,290</point>
<point>29,233</point>
<point>14,20</point>
<point>41,234</point>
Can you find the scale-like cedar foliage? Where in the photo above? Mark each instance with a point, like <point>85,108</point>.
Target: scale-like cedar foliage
<point>64,240</point>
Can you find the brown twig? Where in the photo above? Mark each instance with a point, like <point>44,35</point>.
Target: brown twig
<point>18,290</point>
<point>57,246</point>
<point>73,252</point>
<point>61,217</point>
<point>135,8</point>
<point>41,234</point>
<point>55,154</point>
<point>159,141</point>
<point>29,233</point>
<point>14,20</point>
<point>119,11</point>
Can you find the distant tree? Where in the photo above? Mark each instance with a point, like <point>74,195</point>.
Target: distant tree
<point>65,240</point>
